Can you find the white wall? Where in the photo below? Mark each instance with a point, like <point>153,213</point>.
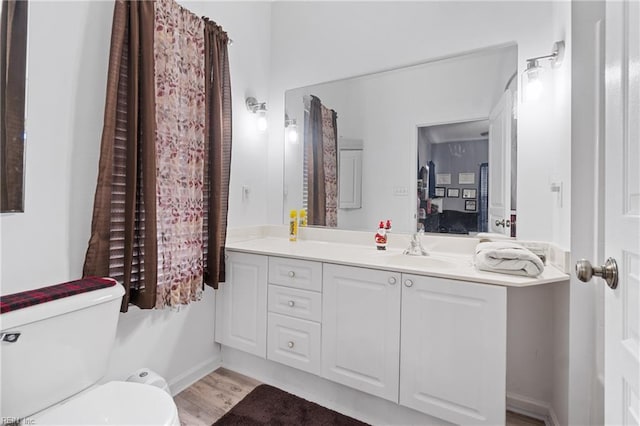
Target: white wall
<point>346,39</point>
<point>68,59</point>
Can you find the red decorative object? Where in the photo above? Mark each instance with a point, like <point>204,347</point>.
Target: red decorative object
<point>381,237</point>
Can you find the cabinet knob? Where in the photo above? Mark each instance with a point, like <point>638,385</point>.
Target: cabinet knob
<point>290,344</point>
<point>292,274</point>
<point>292,303</point>
<point>392,280</point>
<point>408,283</point>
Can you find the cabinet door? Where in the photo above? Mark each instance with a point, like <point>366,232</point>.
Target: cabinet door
<point>361,329</point>
<point>453,356</point>
<point>241,304</point>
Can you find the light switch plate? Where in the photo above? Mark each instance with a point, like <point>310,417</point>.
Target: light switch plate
<point>400,191</point>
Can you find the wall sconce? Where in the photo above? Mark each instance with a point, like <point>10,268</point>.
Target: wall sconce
<point>531,77</point>
<point>292,129</point>
<point>259,108</point>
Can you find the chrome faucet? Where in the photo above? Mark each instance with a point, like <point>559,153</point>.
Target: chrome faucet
<point>415,246</point>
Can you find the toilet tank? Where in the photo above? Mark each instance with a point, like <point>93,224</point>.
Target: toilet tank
<point>63,348</point>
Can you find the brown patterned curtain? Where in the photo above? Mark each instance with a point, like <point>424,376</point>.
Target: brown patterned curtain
<point>321,152</point>
<point>330,157</point>
<point>13,63</point>
<point>164,157</point>
<point>180,152</point>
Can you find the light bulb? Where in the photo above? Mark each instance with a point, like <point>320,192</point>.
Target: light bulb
<point>262,121</point>
<point>292,133</point>
<point>531,82</point>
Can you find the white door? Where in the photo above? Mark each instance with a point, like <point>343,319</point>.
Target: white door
<point>453,352</point>
<point>622,212</point>
<point>361,329</point>
<point>241,304</point>
<point>500,166</point>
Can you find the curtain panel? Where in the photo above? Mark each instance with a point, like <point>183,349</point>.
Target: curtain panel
<point>315,155</point>
<point>152,216</point>
<point>321,155</point>
<point>180,145</point>
<point>330,155</point>
<point>13,62</point>
<point>218,164</point>
<point>123,232</point>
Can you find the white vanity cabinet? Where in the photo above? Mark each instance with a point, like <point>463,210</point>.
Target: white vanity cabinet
<point>435,345</point>
<point>361,329</point>
<point>241,304</point>
<point>453,352</point>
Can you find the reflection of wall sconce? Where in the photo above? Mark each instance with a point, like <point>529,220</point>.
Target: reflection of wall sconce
<point>259,108</point>
<point>531,83</point>
<point>292,129</point>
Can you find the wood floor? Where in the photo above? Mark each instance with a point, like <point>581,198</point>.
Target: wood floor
<point>208,399</point>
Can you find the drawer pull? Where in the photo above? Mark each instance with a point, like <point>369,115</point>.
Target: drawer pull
<point>292,303</point>
<point>408,283</point>
<point>290,344</point>
<point>392,280</point>
<point>292,274</point>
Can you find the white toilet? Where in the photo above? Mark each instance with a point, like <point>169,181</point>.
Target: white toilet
<point>48,374</point>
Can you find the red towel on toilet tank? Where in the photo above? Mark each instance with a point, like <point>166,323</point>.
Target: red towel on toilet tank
<point>12,302</point>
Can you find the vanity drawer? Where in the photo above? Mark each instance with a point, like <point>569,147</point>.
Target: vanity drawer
<point>296,273</point>
<point>294,342</point>
<point>296,303</point>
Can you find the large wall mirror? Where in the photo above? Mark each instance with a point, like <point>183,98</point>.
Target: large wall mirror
<point>431,147</point>
<point>13,62</point>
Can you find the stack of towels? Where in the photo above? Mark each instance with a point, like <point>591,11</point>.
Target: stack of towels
<point>507,258</point>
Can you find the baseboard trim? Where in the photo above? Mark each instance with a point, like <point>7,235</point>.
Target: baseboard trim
<point>532,408</point>
<point>195,373</point>
<point>553,418</point>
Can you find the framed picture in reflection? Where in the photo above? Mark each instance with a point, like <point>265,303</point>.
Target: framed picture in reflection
<point>469,193</point>
<point>470,205</point>
<point>453,193</point>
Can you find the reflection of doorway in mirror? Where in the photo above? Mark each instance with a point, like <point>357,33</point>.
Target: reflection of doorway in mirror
<point>455,151</point>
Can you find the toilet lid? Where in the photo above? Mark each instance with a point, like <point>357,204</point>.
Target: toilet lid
<point>115,403</point>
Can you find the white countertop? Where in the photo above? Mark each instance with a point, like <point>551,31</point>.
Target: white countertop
<point>437,264</point>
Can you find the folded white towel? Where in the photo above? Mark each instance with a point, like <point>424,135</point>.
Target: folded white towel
<point>507,258</point>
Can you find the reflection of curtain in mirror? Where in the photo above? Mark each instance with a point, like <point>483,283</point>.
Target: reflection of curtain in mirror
<point>321,159</point>
<point>13,60</point>
<point>329,144</point>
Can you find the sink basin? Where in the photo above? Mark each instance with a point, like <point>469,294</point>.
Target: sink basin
<point>430,262</point>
